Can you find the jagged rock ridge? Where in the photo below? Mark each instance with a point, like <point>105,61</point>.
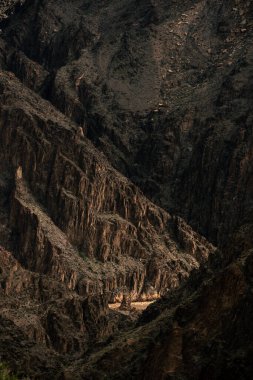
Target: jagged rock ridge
<point>163,90</point>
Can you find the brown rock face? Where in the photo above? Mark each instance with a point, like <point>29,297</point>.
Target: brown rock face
<point>42,320</point>
<point>162,89</point>
<point>201,331</point>
<point>125,137</point>
<point>85,210</point>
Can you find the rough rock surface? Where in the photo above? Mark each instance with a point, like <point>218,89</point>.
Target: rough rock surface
<point>201,331</point>
<point>159,87</point>
<point>70,218</point>
<point>44,323</point>
<point>71,210</point>
<point>125,137</point>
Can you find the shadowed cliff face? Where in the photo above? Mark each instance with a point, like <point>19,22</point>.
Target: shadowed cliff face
<point>160,88</point>
<point>201,331</point>
<point>125,134</point>
<point>75,232</point>
<point>43,321</point>
<point>78,219</point>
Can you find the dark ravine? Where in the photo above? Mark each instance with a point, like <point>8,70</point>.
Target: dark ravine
<point>126,168</point>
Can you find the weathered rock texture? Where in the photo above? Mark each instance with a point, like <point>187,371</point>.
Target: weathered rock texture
<point>115,117</point>
<point>201,331</point>
<point>69,210</point>
<point>43,322</point>
<point>162,88</point>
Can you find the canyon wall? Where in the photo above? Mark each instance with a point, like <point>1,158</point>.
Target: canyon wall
<point>125,160</point>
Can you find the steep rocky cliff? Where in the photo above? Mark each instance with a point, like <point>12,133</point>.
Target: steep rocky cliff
<point>70,218</point>
<point>125,159</point>
<point>43,322</point>
<point>76,218</point>
<point>201,331</point>
<point>159,87</point>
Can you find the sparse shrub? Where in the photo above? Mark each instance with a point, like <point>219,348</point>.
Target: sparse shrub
<point>5,373</point>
